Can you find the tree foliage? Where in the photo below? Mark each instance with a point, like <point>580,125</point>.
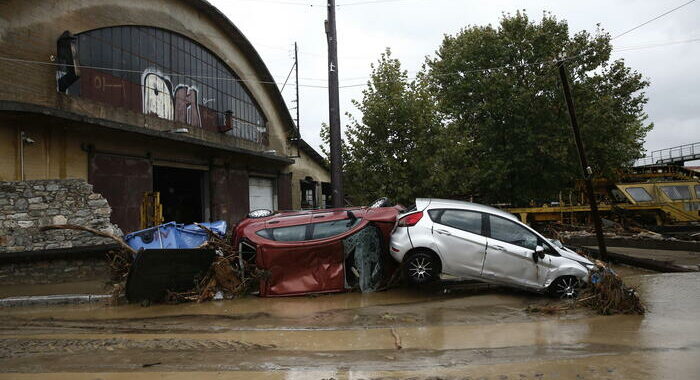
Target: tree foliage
<point>390,151</point>
<point>487,116</point>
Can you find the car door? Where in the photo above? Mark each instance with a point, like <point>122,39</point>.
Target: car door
<point>459,237</point>
<point>510,246</point>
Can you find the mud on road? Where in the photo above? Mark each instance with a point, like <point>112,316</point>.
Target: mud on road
<point>453,331</point>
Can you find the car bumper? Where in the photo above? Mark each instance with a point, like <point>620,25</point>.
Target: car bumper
<point>400,243</point>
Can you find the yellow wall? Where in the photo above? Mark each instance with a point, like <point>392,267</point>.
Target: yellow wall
<point>54,154</point>
<point>303,167</point>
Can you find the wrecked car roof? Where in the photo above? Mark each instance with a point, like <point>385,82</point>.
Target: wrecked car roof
<point>248,227</point>
<point>423,203</point>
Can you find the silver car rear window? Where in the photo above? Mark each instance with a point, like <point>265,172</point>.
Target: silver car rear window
<point>464,220</point>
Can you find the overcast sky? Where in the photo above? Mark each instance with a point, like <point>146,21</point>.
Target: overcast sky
<point>415,28</point>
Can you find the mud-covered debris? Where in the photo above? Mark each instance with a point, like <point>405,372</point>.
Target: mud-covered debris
<point>548,309</point>
<point>608,294</point>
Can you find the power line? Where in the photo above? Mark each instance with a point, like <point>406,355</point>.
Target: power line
<point>19,60</point>
<point>653,19</point>
<point>621,49</point>
<point>488,69</point>
<point>367,2</point>
<point>304,4</point>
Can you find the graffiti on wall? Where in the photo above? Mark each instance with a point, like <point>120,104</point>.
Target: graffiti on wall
<point>170,102</point>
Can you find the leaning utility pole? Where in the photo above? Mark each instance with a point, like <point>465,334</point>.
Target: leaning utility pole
<point>334,109</point>
<point>587,171</point>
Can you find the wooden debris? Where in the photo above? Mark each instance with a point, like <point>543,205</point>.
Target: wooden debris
<point>397,338</point>
<point>607,293</point>
<point>91,230</point>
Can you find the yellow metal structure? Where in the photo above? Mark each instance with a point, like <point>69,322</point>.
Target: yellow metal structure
<point>665,195</point>
<point>151,210</point>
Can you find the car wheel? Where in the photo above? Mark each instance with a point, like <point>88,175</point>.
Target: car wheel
<point>565,287</point>
<point>421,268</point>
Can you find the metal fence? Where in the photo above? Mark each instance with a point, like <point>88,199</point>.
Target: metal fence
<point>676,154</point>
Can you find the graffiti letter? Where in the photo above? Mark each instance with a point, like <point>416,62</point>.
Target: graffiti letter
<point>157,98</point>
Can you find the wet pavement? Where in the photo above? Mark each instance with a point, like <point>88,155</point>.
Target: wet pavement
<point>456,331</point>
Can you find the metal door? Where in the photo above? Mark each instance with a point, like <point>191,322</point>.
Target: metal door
<point>122,180</point>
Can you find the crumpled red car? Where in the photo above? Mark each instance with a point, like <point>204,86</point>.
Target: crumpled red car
<point>320,251</point>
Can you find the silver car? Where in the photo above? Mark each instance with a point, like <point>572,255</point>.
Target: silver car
<point>480,242</point>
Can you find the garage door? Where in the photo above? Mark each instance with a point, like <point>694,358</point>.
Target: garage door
<point>261,193</point>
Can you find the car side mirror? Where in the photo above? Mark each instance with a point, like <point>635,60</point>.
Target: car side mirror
<point>538,253</point>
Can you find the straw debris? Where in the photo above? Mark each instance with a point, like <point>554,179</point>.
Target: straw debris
<point>607,293</point>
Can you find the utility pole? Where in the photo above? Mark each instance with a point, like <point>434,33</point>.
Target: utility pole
<point>334,109</point>
<point>587,171</point>
<point>296,73</point>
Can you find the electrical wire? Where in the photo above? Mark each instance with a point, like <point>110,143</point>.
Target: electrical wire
<point>652,19</point>
<point>367,2</point>
<point>304,4</point>
<point>288,75</point>
<point>488,69</point>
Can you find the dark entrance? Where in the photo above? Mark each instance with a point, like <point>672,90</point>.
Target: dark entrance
<point>181,193</point>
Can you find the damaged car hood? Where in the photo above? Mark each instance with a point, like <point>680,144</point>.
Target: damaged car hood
<point>570,254</point>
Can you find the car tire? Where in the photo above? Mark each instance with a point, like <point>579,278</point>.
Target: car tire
<point>421,268</point>
<point>565,287</point>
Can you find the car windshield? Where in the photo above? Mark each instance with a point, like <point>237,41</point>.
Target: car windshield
<point>556,243</point>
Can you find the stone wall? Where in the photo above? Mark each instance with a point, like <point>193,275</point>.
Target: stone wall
<point>26,206</point>
<point>55,271</point>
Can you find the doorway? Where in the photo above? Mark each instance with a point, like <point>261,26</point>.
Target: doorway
<point>181,193</point>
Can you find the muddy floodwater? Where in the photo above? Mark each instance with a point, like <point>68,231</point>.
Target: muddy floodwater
<point>456,330</point>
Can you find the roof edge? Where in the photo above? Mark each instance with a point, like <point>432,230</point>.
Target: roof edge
<point>240,40</point>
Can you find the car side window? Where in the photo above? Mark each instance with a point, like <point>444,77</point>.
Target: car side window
<point>332,228</point>
<point>291,233</point>
<point>511,232</point>
<point>469,221</point>
<point>318,230</point>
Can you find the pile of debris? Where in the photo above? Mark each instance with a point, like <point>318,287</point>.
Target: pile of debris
<point>607,293</point>
<point>226,275</point>
<point>565,232</point>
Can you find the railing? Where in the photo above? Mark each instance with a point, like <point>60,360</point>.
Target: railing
<point>677,154</point>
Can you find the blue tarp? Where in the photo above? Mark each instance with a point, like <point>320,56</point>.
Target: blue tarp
<point>173,236</point>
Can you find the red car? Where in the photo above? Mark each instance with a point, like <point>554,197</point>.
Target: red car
<point>319,251</point>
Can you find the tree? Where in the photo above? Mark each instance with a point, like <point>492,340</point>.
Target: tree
<point>391,150</point>
<point>510,123</point>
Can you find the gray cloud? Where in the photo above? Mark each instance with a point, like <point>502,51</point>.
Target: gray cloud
<point>415,28</point>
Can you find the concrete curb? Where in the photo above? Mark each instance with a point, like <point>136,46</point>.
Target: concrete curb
<point>58,299</point>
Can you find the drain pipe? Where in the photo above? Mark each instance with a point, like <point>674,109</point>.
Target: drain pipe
<point>23,139</point>
<point>21,156</point>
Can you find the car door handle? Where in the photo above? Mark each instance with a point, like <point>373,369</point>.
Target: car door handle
<point>498,248</point>
<point>444,232</point>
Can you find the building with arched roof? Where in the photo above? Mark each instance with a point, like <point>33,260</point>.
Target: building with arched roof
<point>139,96</point>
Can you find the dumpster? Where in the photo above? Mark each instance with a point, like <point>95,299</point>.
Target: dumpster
<point>173,236</point>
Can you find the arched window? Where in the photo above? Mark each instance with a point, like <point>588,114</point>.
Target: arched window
<point>163,73</point>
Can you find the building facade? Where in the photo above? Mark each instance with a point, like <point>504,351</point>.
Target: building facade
<point>139,96</point>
